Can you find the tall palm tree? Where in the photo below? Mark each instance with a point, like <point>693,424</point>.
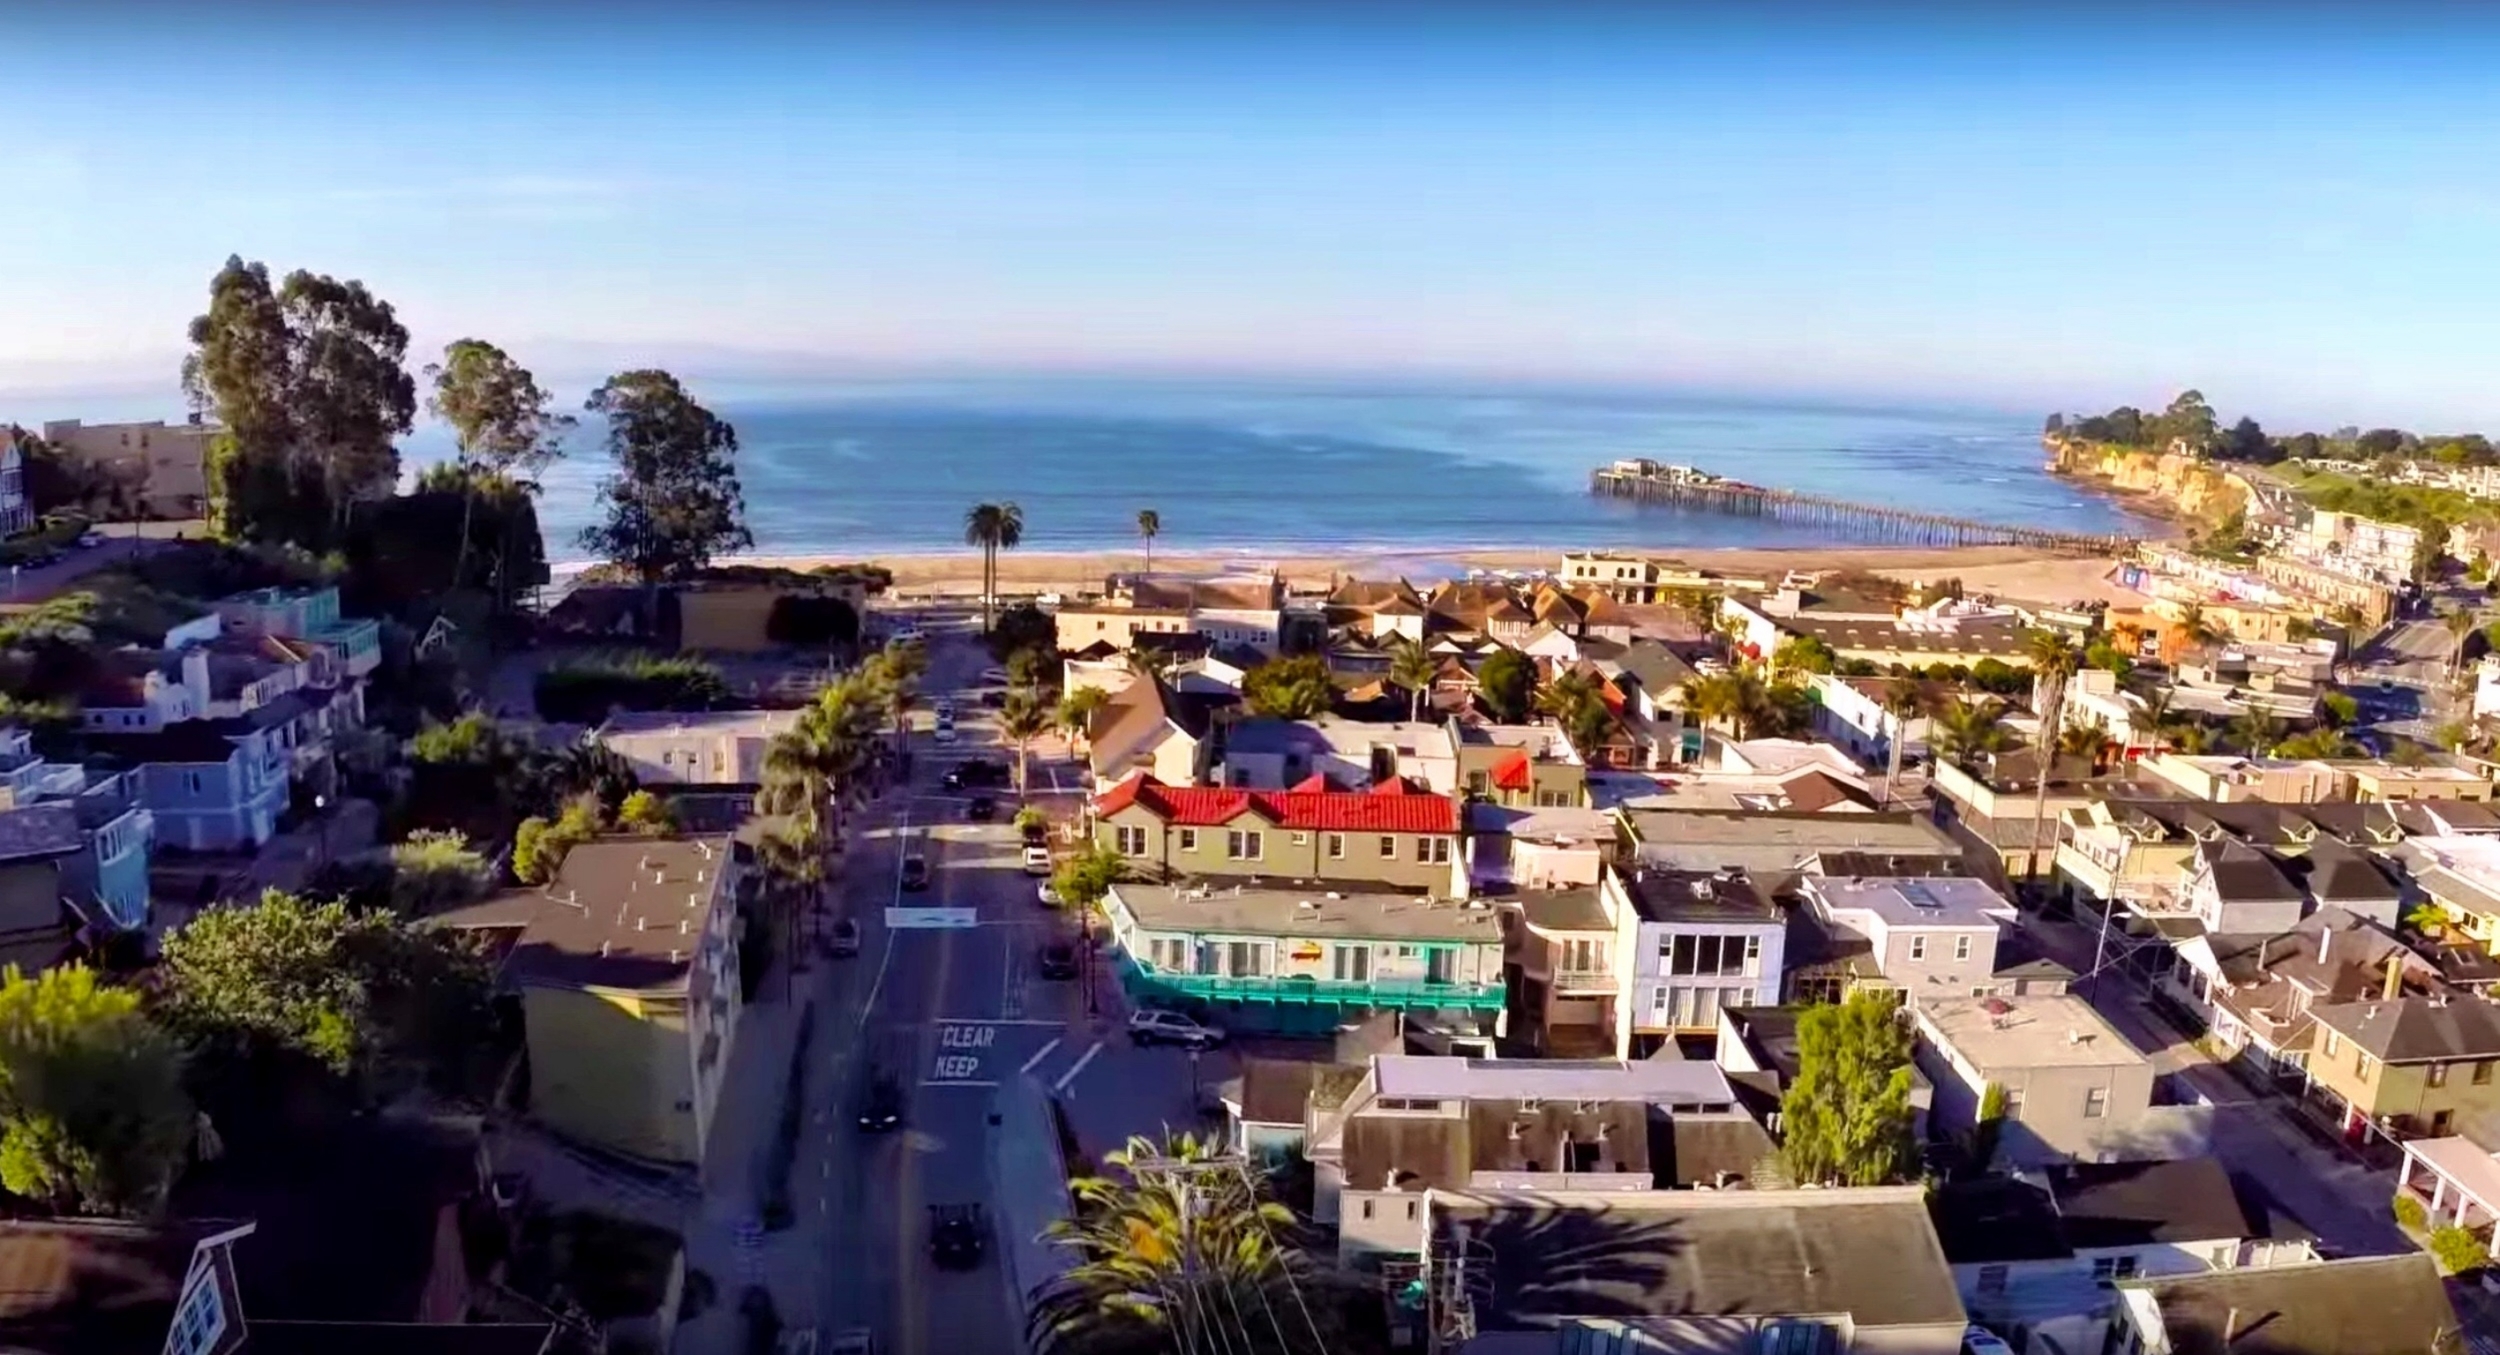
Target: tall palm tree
<point>1411,666</point>
<point>1024,718</point>
<point>1905,699</point>
<point>2253,732</point>
<point>1149,526</point>
<point>993,527</point>
<point>2053,660</point>
<point>2086,739</point>
<point>2460,624</point>
<point>1167,1244</point>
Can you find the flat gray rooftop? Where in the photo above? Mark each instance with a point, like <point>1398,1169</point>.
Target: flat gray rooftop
<point>1267,911</point>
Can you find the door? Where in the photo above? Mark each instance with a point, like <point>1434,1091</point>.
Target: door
<point>1353,964</point>
<point>1440,965</point>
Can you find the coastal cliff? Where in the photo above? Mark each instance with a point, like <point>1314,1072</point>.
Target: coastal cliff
<point>2166,484</point>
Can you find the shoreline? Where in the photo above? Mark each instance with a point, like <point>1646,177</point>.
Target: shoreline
<point>2013,571</point>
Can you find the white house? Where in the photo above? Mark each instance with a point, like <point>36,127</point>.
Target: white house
<point>695,748</point>
<point>16,513</point>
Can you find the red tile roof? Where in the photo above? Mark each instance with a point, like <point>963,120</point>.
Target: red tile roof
<point>1393,811</point>
<point>1511,773</point>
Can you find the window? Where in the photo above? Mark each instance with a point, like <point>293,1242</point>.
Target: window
<point>1961,948</point>
<point>2108,1268</point>
<point>1129,840</point>
<point>1336,846</point>
<point>1367,1209</point>
<point>2438,1076</point>
<point>1724,956</point>
<point>2334,1044</point>
<point>1992,1279</point>
<point>1553,799</point>
<point>2363,1064</point>
<point>1918,947</point>
<point>1388,847</point>
<point>1244,846</point>
<point>1189,839</point>
<point>1410,1211</point>
<point>2095,1103</point>
<point>1432,851</point>
<point>1477,784</point>
<point>1302,839</point>
<point>2440,1121</point>
<point>2482,1073</point>
<point>2013,1103</point>
<point>201,1319</point>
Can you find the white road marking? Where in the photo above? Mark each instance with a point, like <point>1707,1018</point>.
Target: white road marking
<point>1039,1055</point>
<point>1061,1086</point>
<point>954,1082</point>
<point>993,1021</point>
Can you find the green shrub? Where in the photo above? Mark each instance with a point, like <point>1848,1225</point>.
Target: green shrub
<point>2410,1213</point>
<point>2457,1250</point>
<point>646,813</point>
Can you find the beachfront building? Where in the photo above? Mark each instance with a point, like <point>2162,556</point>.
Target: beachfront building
<point>1234,611</point>
<point>1302,958</point>
<point>1946,631</point>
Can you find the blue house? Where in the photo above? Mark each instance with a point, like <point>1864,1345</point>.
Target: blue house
<point>70,837</point>
<point>211,785</point>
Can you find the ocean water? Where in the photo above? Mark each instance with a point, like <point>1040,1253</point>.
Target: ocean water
<point>859,469</point>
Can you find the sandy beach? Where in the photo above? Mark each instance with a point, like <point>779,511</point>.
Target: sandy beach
<point>2008,571</point>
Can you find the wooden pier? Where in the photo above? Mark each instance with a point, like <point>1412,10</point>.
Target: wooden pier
<point>1684,487</point>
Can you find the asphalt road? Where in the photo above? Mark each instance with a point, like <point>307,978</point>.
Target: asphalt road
<point>957,1012</point>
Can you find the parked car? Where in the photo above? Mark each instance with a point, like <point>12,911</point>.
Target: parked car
<point>1978,1340</point>
<point>1152,1026</point>
<point>882,1108</point>
<point>90,540</point>
<point>1059,960</point>
<point>1035,832</point>
<point>1037,860</point>
<point>915,873</point>
<point>996,677</point>
<point>846,937</point>
<point>909,635</point>
<point>856,1341</point>
<point>957,1235</point>
<point>1049,895</point>
<point>945,732</point>
<point>982,809</point>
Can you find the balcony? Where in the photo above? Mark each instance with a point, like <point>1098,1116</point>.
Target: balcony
<point>1583,981</point>
<point>1324,992</point>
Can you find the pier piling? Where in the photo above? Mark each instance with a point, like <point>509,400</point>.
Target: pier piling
<point>1684,487</point>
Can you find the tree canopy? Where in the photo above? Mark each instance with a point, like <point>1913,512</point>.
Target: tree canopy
<point>93,1118</point>
<point>309,382</point>
<point>369,998</point>
<point>674,501</point>
<point>1847,1117</point>
<point>1507,685</point>
<point>1295,688</point>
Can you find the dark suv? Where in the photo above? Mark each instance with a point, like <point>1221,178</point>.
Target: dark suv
<point>915,873</point>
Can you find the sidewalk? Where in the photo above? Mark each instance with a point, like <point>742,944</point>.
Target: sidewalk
<point>725,1234</point>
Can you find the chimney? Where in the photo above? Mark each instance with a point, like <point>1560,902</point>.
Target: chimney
<point>2395,986</point>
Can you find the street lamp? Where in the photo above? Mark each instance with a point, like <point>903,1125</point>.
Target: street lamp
<point>321,832</point>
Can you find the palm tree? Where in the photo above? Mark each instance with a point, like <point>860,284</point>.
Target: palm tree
<point>2053,660</point>
<point>1024,718</point>
<point>993,527</point>
<point>1736,697</point>
<point>1173,1242</point>
<point>1577,703</point>
<point>1905,699</point>
<point>1149,526</point>
<point>2253,732</point>
<point>2460,624</point>
<point>812,767</point>
<point>2088,740</point>
<point>1970,729</point>
<point>1411,666</point>
<point>1078,708</point>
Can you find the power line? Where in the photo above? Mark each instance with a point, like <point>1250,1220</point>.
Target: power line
<point>1284,1261</point>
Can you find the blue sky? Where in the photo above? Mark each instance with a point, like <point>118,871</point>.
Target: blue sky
<point>2294,208</point>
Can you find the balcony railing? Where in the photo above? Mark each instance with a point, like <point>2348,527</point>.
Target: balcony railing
<point>1584,980</point>
<point>1302,991</point>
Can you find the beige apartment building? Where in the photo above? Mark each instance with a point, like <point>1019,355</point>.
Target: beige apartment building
<point>165,464</point>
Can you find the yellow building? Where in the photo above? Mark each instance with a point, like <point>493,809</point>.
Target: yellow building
<point>627,968</point>
<point>2412,1066</point>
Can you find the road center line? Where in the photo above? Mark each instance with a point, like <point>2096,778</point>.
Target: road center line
<point>1039,1055</point>
<point>1070,1076</point>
